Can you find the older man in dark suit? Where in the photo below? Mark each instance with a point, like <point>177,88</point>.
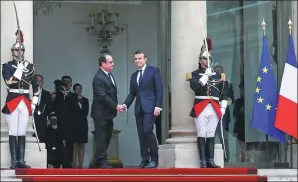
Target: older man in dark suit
<point>104,109</point>
<point>146,87</point>
<point>43,108</point>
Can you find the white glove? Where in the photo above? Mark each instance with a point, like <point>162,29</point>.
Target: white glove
<point>223,106</point>
<point>19,71</point>
<point>224,103</point>
<point>208,71</point>
<point>204,79</point>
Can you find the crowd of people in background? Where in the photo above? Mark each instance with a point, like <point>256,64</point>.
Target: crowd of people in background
<point>61,122</point>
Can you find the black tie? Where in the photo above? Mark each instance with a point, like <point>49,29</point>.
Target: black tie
<point>110,76</point>
<point>141,76</point>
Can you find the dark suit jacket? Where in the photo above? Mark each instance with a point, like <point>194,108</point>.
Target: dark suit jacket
<point>148,93</point>
<point>66,110</point>
<point>105,99</point>
<point>227,117</point>
<point>45,107</point>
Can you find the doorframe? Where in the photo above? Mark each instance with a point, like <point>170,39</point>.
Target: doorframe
<point>164,55</point>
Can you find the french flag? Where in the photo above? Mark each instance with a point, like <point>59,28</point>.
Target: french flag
<point>286,113</point>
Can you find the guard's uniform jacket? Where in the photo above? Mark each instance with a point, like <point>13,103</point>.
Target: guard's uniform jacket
<point>213,92</point>
<point>19,89</point>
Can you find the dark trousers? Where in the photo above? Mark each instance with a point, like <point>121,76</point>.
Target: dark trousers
<point>158,128</point>
<point>68,154</point>
<point>103,135</point>
<point>41,127</point>
<point>147,139</point>
<point>59,157</point>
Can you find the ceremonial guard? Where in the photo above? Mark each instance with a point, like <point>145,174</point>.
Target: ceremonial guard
<point>18,75</point>
<point>209,104</point>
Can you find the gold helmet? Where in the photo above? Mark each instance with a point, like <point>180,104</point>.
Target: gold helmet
<point>19,43</point>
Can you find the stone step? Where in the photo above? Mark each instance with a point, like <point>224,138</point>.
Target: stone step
<point>7,173</point>
<point>279,174</point>
<point>273,179</point>
<point>10,179</point>
<point>29,139</point>
<point>5,130</point>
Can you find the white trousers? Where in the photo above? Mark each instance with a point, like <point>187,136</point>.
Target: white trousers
<point>206,122</point>
<point>18,120</point>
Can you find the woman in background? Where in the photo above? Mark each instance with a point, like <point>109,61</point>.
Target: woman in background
<point>80,128</point>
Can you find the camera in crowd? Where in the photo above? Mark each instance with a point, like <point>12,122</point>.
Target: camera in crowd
<point>60,86</point>
<point>52,119</point>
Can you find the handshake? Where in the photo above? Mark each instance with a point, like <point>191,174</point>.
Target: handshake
<point>121,108</point>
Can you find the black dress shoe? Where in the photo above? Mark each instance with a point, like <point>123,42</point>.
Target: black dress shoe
<point>152,164</point>
<point>143,164</point>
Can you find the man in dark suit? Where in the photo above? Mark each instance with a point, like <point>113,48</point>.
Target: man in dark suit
<point>65,107</point>
<point>42,110</point>
<point>104,109</point>
<point>146,87</point>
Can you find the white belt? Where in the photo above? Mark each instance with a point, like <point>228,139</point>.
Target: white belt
<point>19,91</point>
<point>207,97</point>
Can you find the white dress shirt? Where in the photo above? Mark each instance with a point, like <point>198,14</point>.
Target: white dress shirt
<point>138,76</point>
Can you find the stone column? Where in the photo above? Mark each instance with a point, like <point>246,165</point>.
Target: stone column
<point>186,41</point>
<point>8,29</point>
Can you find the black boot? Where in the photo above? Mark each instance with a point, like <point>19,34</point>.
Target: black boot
<point>210,144</point>
<point>13,151</point>
<point>21,152</point>
<point>202,151</point>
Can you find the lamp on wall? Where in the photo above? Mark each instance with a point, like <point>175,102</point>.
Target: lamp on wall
<point>104,25</point>
<point>45,7</point>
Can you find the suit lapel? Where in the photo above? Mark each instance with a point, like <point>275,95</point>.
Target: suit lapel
<point>135,77</point>
<point>108,78</point>
<point>113,80</point>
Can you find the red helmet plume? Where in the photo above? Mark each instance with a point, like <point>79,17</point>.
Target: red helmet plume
<point>209,42</point>
<point>21,36</point>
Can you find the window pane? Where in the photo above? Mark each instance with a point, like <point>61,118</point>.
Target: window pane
<point>235,28</point>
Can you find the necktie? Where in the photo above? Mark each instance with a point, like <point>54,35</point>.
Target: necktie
<point>110,76</point>
<point>141,76</point>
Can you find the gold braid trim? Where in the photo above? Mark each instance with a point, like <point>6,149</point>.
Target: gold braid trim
<point>223,77</point>
<point>188,76</point>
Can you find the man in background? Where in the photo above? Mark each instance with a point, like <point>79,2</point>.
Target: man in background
<point>65,106</point>
<point>43,109</point>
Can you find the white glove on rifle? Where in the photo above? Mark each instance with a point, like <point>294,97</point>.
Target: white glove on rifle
<point>34,102</point>
<point>223,106</point>
<point>19,71</point>
<point>205,77</point>
<point>208,71</point>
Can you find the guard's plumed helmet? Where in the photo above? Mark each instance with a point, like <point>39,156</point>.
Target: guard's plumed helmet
<point>19,43</point>
<point>204,54</point>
